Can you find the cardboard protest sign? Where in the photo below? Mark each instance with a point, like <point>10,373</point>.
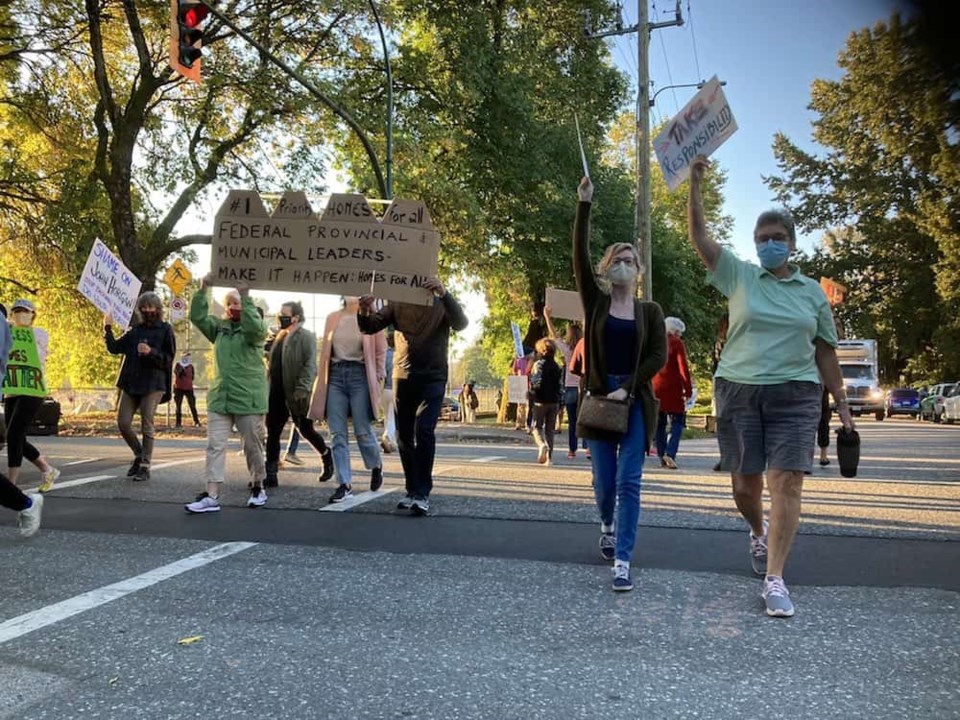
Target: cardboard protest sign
<point>517,389</point>
<point>347,251</point>
<point>702,126</point>
<point>24,371</point>
<point>109,284</point>
<point>517,342</point>
<point>564,304</point>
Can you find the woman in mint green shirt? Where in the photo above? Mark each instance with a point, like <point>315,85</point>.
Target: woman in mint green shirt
<point>781,344</point>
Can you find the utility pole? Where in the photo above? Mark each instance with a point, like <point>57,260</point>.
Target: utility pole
<point>641,217</point>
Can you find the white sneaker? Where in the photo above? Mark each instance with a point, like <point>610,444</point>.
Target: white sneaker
<point>29,519</point>
<point>48,479</point>
<point>542,455</point>
<point>203,504</point>
<point>258,498</point>
<point>292,459</point>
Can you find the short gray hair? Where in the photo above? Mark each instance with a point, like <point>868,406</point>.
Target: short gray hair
<point>779,216</point>
<point>675,325</point>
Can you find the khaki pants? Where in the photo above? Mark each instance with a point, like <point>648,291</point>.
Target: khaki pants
<point>147,406</point>
<point>250,428</point>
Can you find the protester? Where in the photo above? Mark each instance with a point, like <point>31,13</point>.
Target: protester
<point>352,367</point>
<point>28,507</point>
<point>625,346</point>
<point>469,402</point>
<point>673,388</point>
<point>183,374</point>
<point>292,371</point>
<point>388,442</point>
<point>25,392</point>
<point>546,386</point>
<point>521,368</point>
<point>571,380</point>
<point>420,380</point>
<point>148,349</point>
<point>781,342</point>
<point>238,390</point>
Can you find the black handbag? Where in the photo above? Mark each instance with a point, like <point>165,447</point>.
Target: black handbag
<point>600,414</point>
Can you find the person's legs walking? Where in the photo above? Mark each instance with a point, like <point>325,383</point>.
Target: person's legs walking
<point>19,412</point>
<point>428,413</point>
<point>550,427</point>
<point>192,401</point>
<point>407,402</point>
<point>361,412</point>
<point>178,405</point>
<point>661,436</point>
<point>338,408</point>
<point>148,410</point>
<point>28,507</point>
<point>389,419</point>
<point>277,415</point>
<point>823,427</point>
<point>251,429</point>
<point>539,418</point>
<point>126,409</point>
<point>218,434</point>
<point>570,398</point>
<point>629,469</point>
<point>678,421</point>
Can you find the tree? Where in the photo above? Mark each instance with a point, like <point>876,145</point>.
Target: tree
<point>890,185</point>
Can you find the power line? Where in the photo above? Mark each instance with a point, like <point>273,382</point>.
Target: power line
<point>693,36</point>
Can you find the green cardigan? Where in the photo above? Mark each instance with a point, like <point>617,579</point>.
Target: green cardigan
<point>651,334</point>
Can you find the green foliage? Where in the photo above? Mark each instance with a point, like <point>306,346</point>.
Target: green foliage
<point>890,186</point>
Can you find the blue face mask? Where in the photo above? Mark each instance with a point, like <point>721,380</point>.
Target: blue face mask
<point>773,253</point>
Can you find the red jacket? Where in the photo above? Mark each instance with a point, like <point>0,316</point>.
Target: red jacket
<point>672,385</point>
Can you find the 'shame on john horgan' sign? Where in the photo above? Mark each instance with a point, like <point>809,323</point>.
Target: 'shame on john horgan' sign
<point>346,251</point>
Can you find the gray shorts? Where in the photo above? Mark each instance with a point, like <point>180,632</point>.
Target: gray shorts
<point>767,426</point>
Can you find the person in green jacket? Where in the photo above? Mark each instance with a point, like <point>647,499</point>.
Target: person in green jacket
<point>238,391</point>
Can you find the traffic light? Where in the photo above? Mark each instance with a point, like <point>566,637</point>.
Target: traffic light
<point>186,36</point>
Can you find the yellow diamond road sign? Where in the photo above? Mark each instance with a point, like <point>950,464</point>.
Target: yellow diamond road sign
<point>177,277</point>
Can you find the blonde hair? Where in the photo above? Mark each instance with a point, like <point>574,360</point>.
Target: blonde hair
<point>607,260</point>
<point>546,347</point>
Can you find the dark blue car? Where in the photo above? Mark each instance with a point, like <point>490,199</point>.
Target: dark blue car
<point>903,401</point>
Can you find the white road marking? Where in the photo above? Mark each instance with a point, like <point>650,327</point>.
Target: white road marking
<point>492,458</point>
<point>358,499</point>
<point>37,619</point>
<point>74,483</point>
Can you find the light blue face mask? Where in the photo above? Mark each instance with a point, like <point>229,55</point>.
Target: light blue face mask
<point>773,253</point>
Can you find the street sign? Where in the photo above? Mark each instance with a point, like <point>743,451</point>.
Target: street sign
<point>177,277</point>
<point>178,309</point>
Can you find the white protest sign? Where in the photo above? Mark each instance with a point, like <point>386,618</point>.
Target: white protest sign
<point>564,304</point>
<point>702,126</point>
<point>517,389</point>
<point>347,251</point>
<point>109,284</point>
<point>517,342</point>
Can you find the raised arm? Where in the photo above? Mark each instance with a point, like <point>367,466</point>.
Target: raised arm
<point>582,266</point>
<point>707,249</point>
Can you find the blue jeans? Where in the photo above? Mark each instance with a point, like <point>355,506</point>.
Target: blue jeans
<point>418,408</point>
<point>665,446</point>
<point>294,442</point>
<point>571,397</point>
<point>348,393</point>
<point>617,467</point>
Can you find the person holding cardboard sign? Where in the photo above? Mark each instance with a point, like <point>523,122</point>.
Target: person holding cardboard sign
<point>422,334</point>
<point>238,391</point>
<point>625,346</point>
<point>781,342</point>
<point>24,390</point>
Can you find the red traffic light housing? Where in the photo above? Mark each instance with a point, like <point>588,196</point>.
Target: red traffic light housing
<point>186,36</point>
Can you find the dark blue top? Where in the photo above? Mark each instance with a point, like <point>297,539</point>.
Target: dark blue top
<point>143,374</point>
<point>620,345</point>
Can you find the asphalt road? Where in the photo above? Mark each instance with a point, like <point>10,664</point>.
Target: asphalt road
<point>495,606</point>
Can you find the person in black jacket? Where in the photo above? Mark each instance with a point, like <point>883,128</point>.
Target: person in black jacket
<point>148,349</point>
<point>546,387</point>
<point>422,333</point>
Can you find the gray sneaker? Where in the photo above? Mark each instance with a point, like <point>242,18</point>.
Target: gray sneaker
<point>758,551</point>
<point>420,506</point>
<point>203,504</point>
<point>777,597</point>
<point>29,519</point>
<point>406,502</point>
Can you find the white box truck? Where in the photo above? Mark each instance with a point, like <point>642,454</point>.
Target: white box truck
<point>858,363</point>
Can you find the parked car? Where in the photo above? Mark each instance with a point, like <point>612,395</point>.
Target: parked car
<point>951,405</point>
<point>931,407</point>
<point>449,409</point>
<point>903,401</point>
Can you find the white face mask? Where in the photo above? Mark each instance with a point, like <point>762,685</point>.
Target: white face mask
<point>621,274</point>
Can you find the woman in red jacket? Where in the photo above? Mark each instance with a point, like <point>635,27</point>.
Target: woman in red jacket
<point>674,388</point>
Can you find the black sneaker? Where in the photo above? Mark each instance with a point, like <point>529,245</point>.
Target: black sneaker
<point>134,467</point>
<point>607,547</point>
<point>327,457</point>
<point>271,481</point>
<point>376,479</point>
<point>341,493</point>
<point>142,474</point>
<point>406,502</point>
<point>420,506</point>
